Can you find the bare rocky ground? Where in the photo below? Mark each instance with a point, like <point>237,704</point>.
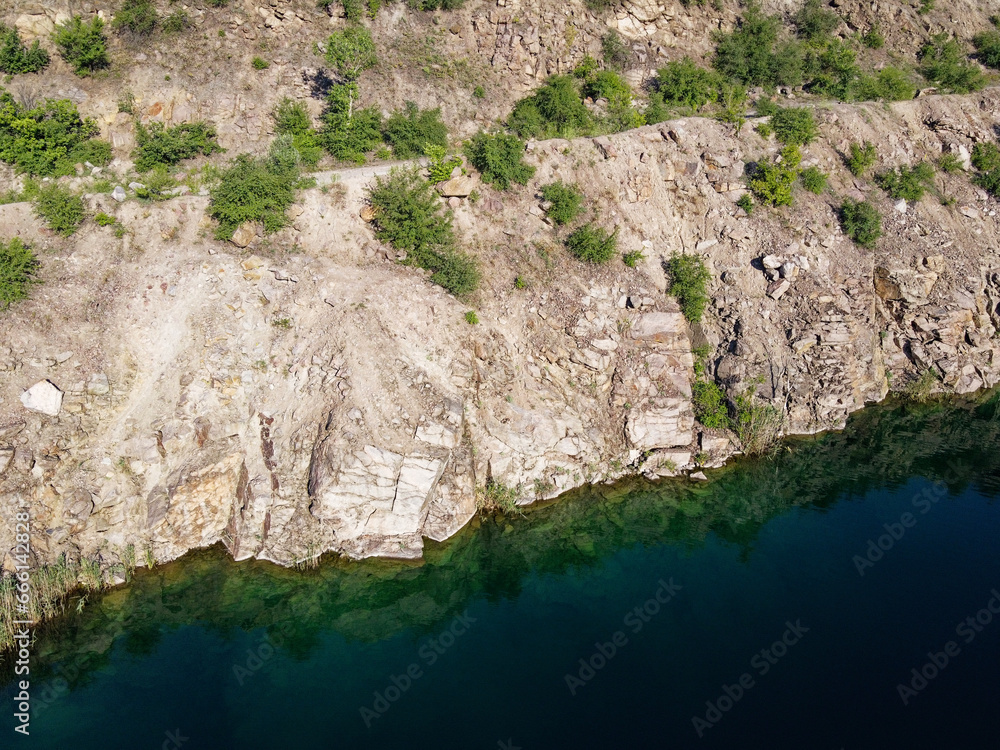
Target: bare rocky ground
<point>310,394</point>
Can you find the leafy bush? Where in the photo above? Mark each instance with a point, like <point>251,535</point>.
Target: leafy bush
<point>176,22</point>
<point>860,158</point>
<point>682,83</point>
<point>471,318</point>
<point>943,62</point>
<point>18,266</point>
<point>479,92</point>
<point>745,202</point>
<point>926,6</point>
<point>49,139</point>
<point>348,134</point>
<point>556,109</point>
<point>908,183</point>
<point>408,216</point>
<point>292,118</point>
<point>566,200</point>
<point>813,180</point>
<point>986,159</point>
<point>157,144</point>
<point>252,189</point>
<point>633,258</point>
<point>15,57</point>
<point>259,63</point>
<point>689,277</point>
<point>599,6</point>
<point>754,55</point>
<point>890,84</point>
<point>949,164</point>
<point>709,402</point>
<point>757,424</point>
<point>861,222</point>
<point>593,244</point>
<point>136,17</point>
<point>104,220</point>
<point>987,46</point>
<point>60,208</point>
<point>815,22</point>
<point>441,165</point>
<point>351,51</point>
<point>82,44</point>
<point>499,159</point>
<point>794,126</point>
<point>156,185</point>
<point>771,181</point>
<point>410,130</point>
<point>616,54</point>
<point>873,38</point>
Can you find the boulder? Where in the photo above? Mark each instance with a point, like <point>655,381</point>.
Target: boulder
<point>244,235</point>
<point>44,398</point>
<point>119,193</point>
<point>777,288</point>
<point>904,284</point>
<point>663,327</point>
<point>457,187</point>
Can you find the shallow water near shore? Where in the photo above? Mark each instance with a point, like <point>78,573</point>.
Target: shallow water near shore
<point>780,605</point>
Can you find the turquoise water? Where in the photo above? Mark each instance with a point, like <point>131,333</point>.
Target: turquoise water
<point>766,633</point>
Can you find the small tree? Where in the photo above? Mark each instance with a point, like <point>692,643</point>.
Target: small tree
<point>82,44</point>
<point>18,266</point>
<point>15,57</point>
<point>498,157</point>
<point>256,190</point>
<point>689,277</point>
<point>351,51</point>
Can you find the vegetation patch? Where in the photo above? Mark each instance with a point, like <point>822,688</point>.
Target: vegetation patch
<point>136,18</point>
<point>593,244</point>
<point>943,63</point>
<point>82,44</point>
<point>757,423</point>
<point>258,190</point>
<point>794,126</point>
<point>908,183</point>
<point>411,130</point>
<point>861,222</point>
<point>292,118</point>
<point>683,85</point>
<point>756,53</point>
<point>499,158</point>
<point>860,158</point>
<point>986,160</point>
<point>497,497</point>
<point>771,181</point>
<point>566,201</point>
<point>158,145</point>
<point>15,57</point>
<point>689,277</point>
<point>18,269</point>
<point>60,208</point>
<point>813,180</point>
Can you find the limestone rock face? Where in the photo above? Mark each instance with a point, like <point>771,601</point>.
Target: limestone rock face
<point>667,423</point>
<point>904,284</point>
<point>44,398</point>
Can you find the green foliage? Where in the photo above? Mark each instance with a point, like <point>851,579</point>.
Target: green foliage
<point>137,18</point>
<point>986,159</point>
<point>616,54</point>
<point>682,83</point>
<point>813,180</point>
<point>82,44</point>
<point>60,208</point>
<point>49,139</point>
<point>949,164</point>
<point>555,110</point>
<point>861,158</point>
<point>156,185</point>
<point>349,134</point>
<point>908,183</point>
<point>15,57</point>
<point>599,6</point>
<point>873,38</point>
<point>499,159</point>
<point>757,424</point>
<point>18,266</point>
<point>258,190</point>
<point>920,388</point>
<point>794,126</point>
<point>633,258</point>
<point>176,22</point>
<point>987,46</point>
<point>259,63</point>
<point>497,497</point>
<point>157,144</point>
<point>410,130</point>
<point>732,105</point>
<point>566,200</point>
<point>771,181</point>
<point>104,220</point>
<point>292,118</point>
<point>441,165</point>
<point>890,84</point>
<point>593,244</point>
<point>814,22</point>
<point>409,217</point>
<point>745,202</point>
<point>861,222</point>
<point>926,6</point>
<point>471,318</point>
<point>689,277</point>
<point>479,92</point>
<point>709,402</point>
<point>351,51</point>
<point>943,62</point>
<point>753,54</point>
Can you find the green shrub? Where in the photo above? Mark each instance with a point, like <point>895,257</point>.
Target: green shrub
<point>861,158</point>
<point>410,130</point>
<point>258,190</point>
<point>771,181</point>
<point>813,180</point>
<point>176,22</point>
<point>15,57</point>
<point>908,183</point>
<point>753,54</point>
<point>949,164</point>
<point>48,139</point>
<point>137,18</point>
<point>435,4</point>
<point>104,220</point>
<point>861,222</point>
<point>616,54</point>
<point>745,202</point>
<point>593,244</point>
<point>471,318</point>
<point>18,266</point>
<point>556,109</point>
<point>157,144</point>
<point>873,38</point>
<point>566,200</point>
<point>757,424</point>
<point>60,208</point>
<point>987,46</point>
<point>479,92</point>
<point>986,159</point>
<point>943,63</point>
<point>599,6</point>
<point>890,84</point>
<point>409,216</point>
<point>633,258</point>
<point>709,402</point>
<point>347,133</point>
<point>682,83</point>
<point>794,126</point>
<point>351,51</point>
<point>499,159</point>
<point>156,185</point>
<point>440,164</point>
<point>259,63</point>
<point>688,283</point>
<point>831,69</point>
<point>815,22</point>
<point>82,44</point>
<point>926,6</point>
<point>292,118</point>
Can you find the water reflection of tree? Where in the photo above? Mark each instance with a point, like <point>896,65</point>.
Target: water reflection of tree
<point>882,447</point>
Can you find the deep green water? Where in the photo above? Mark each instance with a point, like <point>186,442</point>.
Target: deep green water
<point>207,653</point>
